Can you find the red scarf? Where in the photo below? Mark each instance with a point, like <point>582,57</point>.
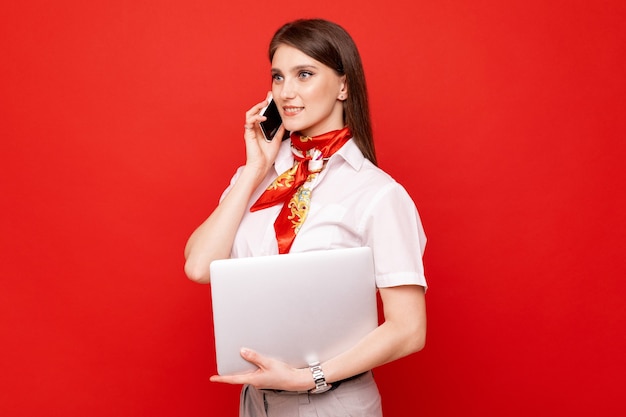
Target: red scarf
<point>291,187</point>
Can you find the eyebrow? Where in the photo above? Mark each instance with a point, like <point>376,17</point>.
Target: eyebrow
<point>298,68</point>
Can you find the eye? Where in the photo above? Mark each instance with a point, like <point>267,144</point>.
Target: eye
<point>305,74</point>
<point>276,78</point>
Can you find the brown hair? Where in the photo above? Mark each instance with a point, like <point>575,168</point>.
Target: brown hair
<point>331,45</point>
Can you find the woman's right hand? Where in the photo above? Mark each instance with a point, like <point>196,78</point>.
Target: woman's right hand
<point>260,154</point>
<point>214,238</point>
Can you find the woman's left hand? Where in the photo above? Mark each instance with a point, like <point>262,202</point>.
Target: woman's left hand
<point>272,374</point>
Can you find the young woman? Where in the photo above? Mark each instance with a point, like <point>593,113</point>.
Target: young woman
<point>321,189</point>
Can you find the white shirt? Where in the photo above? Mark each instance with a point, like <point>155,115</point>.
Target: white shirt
<point>353,204</point>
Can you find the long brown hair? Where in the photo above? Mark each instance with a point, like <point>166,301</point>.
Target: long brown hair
<point>331,45</point>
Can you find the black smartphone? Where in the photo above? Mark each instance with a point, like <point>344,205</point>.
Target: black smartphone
<point>271,125</point>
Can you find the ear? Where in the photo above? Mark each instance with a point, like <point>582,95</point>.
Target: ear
<point>343,89</point>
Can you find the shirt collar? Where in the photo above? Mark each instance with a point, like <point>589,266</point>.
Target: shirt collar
<point>349,152</point>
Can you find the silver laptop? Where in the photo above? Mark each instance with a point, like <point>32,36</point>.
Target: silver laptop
<point>299,308</point>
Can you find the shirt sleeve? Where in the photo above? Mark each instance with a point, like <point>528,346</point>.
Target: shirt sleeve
<point>232,182</point>
<point>393,229</point>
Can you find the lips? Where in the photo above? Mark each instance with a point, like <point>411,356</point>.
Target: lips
<point>292,110</point>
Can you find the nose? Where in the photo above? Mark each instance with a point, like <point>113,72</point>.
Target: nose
<point>287,89</point>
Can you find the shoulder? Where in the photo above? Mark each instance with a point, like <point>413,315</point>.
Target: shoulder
<point>369,178</point>
<point>350,158</point>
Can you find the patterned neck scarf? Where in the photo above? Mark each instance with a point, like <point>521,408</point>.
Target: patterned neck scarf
<point>293,187</point>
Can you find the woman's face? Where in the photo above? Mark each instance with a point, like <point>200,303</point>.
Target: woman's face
<point>309,94</point>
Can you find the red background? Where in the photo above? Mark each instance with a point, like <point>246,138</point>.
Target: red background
<point>121,123</point>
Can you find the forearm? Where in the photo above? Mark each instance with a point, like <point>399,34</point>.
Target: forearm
<point>382,346</point>
<point>214,238</point>
<point>402,333</point>
<point>385,344</point>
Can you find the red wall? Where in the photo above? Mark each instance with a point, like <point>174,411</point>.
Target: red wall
<point>121,122</point>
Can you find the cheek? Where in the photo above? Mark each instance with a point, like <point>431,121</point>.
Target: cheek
<point>325,103</point>
<point>275,90</point>
<point>321,97</point>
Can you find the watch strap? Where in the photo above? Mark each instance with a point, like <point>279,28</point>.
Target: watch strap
<point>318,378</point>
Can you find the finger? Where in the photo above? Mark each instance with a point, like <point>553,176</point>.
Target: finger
<point>251,132</point>
<point>261,361</point>
<point>252,122</point>
<point>253,118</point>
<point>231,379</point>
<point>254,357</point>
<point>254,110</point>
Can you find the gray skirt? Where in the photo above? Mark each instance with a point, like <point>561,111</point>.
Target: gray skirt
<point>358,397</point>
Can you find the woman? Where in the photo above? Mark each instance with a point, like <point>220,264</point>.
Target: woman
<point>319,190</point>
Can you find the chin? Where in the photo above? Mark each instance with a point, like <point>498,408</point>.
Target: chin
<point>292,128</point>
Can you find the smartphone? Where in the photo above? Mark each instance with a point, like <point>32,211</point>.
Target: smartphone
<point>273,122</point>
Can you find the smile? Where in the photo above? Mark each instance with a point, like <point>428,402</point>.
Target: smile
<point>292,111</point>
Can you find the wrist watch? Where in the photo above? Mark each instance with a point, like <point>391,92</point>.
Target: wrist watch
<point>319,379</point>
